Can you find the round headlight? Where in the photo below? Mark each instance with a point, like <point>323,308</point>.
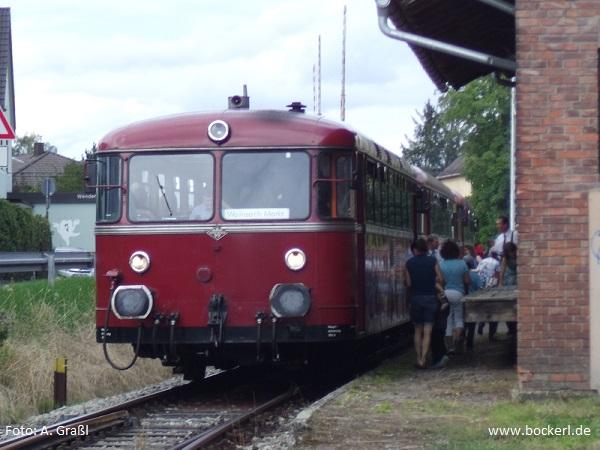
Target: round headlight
<point>218,131</point>
<point>132,302</point>
<point>295,259</point>
<point>290,300</point>
<point>139,262</point>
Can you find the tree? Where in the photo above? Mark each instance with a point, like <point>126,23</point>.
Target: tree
<point>480,114</point>
<point>71,179</point>
<point>435,144</point>
<point>472,121</point>
<point>24,145</point>
<point>91,152</point>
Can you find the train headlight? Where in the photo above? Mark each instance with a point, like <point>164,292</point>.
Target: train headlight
<point>131,302</point>
<point>295,259</point>
<point>290,300</point>
<point>139,261</point>
<point>218,131</point>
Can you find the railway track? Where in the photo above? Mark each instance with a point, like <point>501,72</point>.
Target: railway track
<point>192,415</point>
<point>183,417</point>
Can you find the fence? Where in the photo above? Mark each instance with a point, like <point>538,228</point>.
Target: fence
<point>20,262</point>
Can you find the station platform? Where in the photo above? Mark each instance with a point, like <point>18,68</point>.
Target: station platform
<point>397,406</point>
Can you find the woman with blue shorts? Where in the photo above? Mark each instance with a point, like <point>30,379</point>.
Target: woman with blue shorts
<point>422,273</point>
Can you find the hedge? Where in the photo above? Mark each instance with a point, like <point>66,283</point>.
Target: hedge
<point>22,231</point>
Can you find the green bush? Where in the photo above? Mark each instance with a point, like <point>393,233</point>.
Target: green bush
<point>21,230</point>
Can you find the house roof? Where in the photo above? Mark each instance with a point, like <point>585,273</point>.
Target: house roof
<point>474,25</point>
<point>455,169</point>
<point>47,162</point>
<point>6,66</point>
<point>30,170</point>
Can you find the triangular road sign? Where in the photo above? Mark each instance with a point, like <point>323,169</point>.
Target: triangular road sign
<point>6,131</point>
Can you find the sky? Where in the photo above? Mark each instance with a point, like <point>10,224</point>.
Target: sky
<point>85,67</point>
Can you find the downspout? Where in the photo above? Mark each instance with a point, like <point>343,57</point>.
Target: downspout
<point>513,147</point>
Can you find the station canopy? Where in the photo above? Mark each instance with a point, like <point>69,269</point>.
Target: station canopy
<point>484,26</point>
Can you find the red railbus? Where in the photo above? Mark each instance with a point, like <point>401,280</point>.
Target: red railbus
<point>240,237</point>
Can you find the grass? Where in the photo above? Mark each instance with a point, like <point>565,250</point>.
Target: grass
<point>462,407</point>
<point>41,323</point>
<point>34,308</point>
<point>469,430</point>
<point>397,406</point>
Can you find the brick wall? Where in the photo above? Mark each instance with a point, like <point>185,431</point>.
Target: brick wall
<point>557,164</point>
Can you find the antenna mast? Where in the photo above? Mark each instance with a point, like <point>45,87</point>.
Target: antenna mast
<point>319,79</point>
<point>314,89</point>
<point>343,96</point>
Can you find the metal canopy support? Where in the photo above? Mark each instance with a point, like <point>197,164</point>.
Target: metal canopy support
<point>433,44</point>
<point>500,5</point>
<point>513,149</point>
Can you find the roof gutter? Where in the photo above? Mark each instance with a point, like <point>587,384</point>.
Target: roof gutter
<point>500,5</point>
<point>383,13</point>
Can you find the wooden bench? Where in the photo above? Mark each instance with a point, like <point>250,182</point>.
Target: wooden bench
<point>497,304</point>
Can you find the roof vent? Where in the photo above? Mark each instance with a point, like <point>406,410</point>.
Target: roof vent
<point>296,107</point>
<point>239,101</point>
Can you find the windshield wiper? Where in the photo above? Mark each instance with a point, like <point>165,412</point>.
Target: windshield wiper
<point>162,190</point>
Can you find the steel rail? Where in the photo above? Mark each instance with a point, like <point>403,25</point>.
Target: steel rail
<point>210,435</point>
<point>22,441</point>
<point>55,435</point>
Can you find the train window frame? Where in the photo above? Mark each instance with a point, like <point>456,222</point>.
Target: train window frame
<point>335,196</point>
<point>108,193</point>
<point>173,187</point>
<point>273,218</point>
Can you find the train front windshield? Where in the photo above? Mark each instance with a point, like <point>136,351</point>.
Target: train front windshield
<point>171,187</point>
<point>273,185</point>
<point>266,186</point>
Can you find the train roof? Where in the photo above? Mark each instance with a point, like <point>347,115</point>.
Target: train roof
<point>258,128</point>
<point>249,128</point>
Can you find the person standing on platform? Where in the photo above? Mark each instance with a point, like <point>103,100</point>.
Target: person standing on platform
<point>456,275</point>
<point>433,245</point>
<point>505,235</point>
<point>473,287</point>
<point>488,272</point>
<point>422,274</point>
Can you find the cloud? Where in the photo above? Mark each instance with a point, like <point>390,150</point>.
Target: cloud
<point>83,68</point>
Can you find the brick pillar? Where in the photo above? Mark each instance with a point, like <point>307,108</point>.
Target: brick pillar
<point>557,164</point>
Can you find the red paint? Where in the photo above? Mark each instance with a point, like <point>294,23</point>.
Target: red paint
<point>245,270</point>
<point>248,129</point>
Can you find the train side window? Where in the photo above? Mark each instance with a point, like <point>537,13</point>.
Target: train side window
<point>108,185</point>
<point>377,200</point>
<point>370,191</point>
<point>397,201</point>
<point>335,197</point>
<point>410,218</point>
<point>324,191</point>
<point>385,204</point>
<point>344,193</point>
